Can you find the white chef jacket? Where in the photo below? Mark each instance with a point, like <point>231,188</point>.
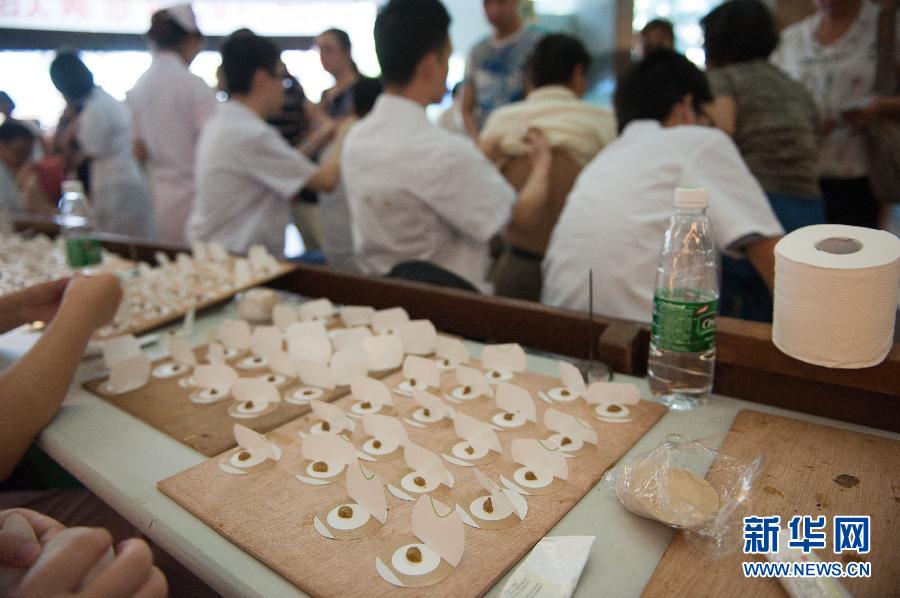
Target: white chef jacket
<point>618,211</point>
<point>418,192</point>
<point>246,176</point>
<point>567,121</point>
<point>169,106</point>
<point>119,196</point>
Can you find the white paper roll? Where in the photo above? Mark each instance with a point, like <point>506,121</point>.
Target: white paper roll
<point>836,295</point>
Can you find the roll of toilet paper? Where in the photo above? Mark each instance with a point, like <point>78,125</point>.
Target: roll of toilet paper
<point>836,295</point>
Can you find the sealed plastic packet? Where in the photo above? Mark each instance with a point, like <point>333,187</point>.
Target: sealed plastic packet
<point>551,569</point>
<point>689,485</point>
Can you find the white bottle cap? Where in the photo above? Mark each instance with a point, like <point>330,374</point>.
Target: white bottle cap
<point>691,199</point>
<point>72,186</point>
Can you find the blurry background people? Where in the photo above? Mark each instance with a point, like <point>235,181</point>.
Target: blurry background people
<point>6,105</point>
<point>833,54</point>
<point>452,118</point>
<point>169,106</point>
<point>495,68</point>
<point>419,195</point>
<point>771,117</point>
<point>335,53</point>
<point>334,212</point>
<point>20,188</point>
<point>246,173</point>
<point>577,130</point>
<point>98,128</point>
<point>657,33</point>
<point>619,209</point>
<point>773,121</point>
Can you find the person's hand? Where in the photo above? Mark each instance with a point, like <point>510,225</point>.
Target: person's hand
<point>541,150</point>
<point>864,116</point>
<point>41,301</point>
<point>19,548</point>
<point>93,299</point>
<point>74,563</point>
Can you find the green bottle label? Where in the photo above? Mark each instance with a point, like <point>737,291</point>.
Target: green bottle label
<point>82,252</point>
<point>684,321</point>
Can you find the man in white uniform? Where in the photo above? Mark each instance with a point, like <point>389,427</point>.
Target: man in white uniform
<point>617,214</point>
<point>246,173</point>
<point>418,192</point>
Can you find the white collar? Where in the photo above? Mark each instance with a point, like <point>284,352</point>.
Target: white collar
<point>551,92</point>
<point>397,106</point>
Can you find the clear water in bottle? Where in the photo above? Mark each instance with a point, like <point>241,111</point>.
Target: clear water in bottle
<point>685,305</point>
<point>76,227</point>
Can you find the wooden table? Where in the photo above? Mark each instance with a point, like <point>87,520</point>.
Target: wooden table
<point>97,442</point>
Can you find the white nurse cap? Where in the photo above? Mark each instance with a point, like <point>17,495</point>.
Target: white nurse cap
<point>183,14</point>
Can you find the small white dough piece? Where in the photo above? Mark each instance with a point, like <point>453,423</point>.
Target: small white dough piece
<point>419,415</point>
<point>170,370</point>
<point>562,394</point>
<point>253,460</point>
<point>603,411</point>
<point>406,387</point>
<point>386,448</point>
<point>407,483</point>
<point>460,394</point>
<point>358,408</point>
<point>498,376</point>
<point>256,409</point>
<point>305,394</point>
<point>332,471</point>
<point>430,561</point>
<point>210,395</point>
<point>542,480</point>
<point>254,362</point>
<point>477,509</point>
<point>317,429</point>
<point>571,447</point>
<point>459,451</point>
<point>516,421</point>
<point>357,520</point>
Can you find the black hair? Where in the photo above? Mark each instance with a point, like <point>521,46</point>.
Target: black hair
<point>166,33</point>
<point>405,31</point>
<point>13,129</point>
<point>343,39</point>
<point>555,59</point>
<point>5,99</point>
<point>70,76</point>
<point>365,92</point>
<point>242,55</point>
<point>738,31</point>
<point>656,84</point>
<point>662,24</point>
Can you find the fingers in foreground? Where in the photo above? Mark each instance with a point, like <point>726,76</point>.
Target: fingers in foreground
<point>128,573</point>
<point>65,561</point>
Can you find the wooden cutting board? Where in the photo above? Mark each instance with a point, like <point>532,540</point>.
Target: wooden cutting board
<point>270,514</point>
<point>809,469</point>
<point>208,429</point>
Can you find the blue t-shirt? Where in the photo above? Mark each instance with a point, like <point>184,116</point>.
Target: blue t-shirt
<point>497,71</point>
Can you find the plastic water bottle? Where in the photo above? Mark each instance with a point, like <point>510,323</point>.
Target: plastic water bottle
<point>685,305</point>
<point>76,227</point>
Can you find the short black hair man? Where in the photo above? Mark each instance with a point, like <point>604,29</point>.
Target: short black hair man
<point>417,192</point>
